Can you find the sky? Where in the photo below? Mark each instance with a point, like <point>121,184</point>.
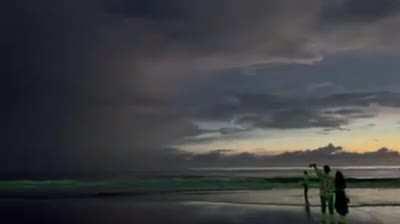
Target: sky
<point>115,84</point>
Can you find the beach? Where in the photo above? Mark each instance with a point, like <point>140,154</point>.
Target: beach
<point>198,198</point>
<point>265,206</point>
<point>230,196</point>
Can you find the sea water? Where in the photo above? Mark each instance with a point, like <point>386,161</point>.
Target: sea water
<point>372,172</point>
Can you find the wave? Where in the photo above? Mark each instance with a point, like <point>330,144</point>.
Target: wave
<point>292,168</point>
<point>361,205</point>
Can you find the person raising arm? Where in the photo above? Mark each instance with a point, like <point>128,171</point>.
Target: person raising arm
<point>326,189</point>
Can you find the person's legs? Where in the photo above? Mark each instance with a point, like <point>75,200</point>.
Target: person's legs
<point>306,195</point>
<point>331,209</point>
<point>330,205</point>
<point>324,217</point>
<point>323,205</point>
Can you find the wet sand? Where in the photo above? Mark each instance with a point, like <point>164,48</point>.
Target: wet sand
<point>273,206</point>
<point>359,197</point>
<point>123,211</point>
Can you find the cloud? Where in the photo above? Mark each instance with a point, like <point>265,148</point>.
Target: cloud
<point>330,154</point>
<point>196,36</point>
<point>252,112</point>
<point>96,84</point>
<point>292,119</point>
<point>272,111</point>
<point>347,11</point>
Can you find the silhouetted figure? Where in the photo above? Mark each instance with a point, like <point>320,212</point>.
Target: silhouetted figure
<point>306,182</point>
<point>326,191</point>
<point>341,202</point>
<point>308,214</point>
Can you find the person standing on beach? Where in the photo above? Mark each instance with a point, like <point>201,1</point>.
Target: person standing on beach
<point>326,190</point>
<point>341,202</point>
<point>306,180</point>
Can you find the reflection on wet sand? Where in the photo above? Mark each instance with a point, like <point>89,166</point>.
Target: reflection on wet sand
<point>129,210</point>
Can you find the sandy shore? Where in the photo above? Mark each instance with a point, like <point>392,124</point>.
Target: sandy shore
<point>273,206</point>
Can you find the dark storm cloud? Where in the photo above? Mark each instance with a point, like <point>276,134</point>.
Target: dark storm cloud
<point>330,154</point>
<point>96,85</point>
<point>277,112</point>
<point>340,11</point>
<point>67,108</point>
<point>346,111</point>
<point>389,99</point>
<point>220,34</point>
<point>224,34</point>
<point>292,119</point>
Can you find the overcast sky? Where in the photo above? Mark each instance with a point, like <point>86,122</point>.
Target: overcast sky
<point>113,83</point>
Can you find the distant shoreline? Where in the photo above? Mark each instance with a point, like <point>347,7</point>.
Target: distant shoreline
<point>161,185</point>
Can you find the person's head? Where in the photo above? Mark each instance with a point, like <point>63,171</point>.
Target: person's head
<point>327,169</point>
<point>339,176</point>
<point>339,180</point>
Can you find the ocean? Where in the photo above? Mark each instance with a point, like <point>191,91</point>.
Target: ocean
<point>362,172</point>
